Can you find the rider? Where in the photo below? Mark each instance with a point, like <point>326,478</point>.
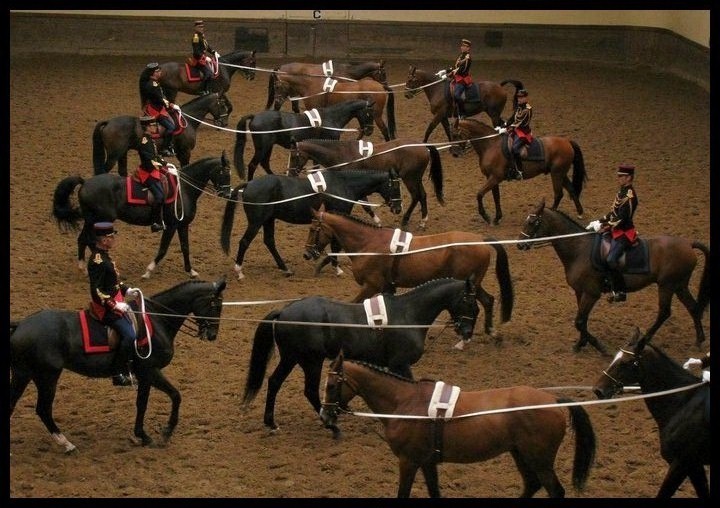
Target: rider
<point>108,303</point>
<point>149,170</point>
<point>200,48</point>
<point>703,363</point>
<point>154,103</point>
<point>620,223</point>
<point>461,75</point>
<point>520,131</point>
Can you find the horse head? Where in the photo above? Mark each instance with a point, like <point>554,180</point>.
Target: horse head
<point>283,91</point>
<point>207,309</point>
<point>379,74</point>
<point>412,83</point>
<point>624,369</point>
<point>248,64</point>
<point>464,310</point>
<point>459,137</point>
<point>392,194</point>
<point>220,177</point>
<point>318,236</point>
<point>338,392</point>
<point>366,117</point>
<point>296,160</point>
<point>532,227</point>
<point>220,110</point>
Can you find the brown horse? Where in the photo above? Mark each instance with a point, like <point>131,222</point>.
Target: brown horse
<point>479,426</point>
<point>489,97</point>
<point>315,96</point>
<point>409,158</point>
<point>315,74</point>
<point>558,155</point>
<point>174,76</point>
<point>452,254</point>
<point>671,262</point>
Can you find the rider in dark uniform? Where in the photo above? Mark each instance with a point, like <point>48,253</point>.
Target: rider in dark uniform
<point>149,170</point>
<point>200,48</point>
<point>520,131</point>
<point>154,103</point>
<point>107,294</point>
<point>461,75</point>
<point>619,221</point>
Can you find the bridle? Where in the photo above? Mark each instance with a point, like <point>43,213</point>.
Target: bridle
<point>534,220</point>
<point>618,385</point>
<point>467,301</point>
<point>202,324</point>
<point>332,408</point>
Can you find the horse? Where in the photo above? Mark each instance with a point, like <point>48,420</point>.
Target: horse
<point>451,254</point>
<point>317,74</point>
<point>104,198</point>
<point>48,341</point>
<point>111,139</point>
<point>489,98</point>
<point>670,263</point>
<point>292,200</point>
<point>408,157</point>
<point>271,128</point>
<point>175,75</point>
<point>682,417</point>
<point>316,95</point>
<point>557,156</point>
<point>311,329</point>
<point>479,425</point>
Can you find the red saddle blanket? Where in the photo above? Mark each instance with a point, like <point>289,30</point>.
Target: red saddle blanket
<point>192,73</point>
<point>95,333</point>
<point>137,193</point>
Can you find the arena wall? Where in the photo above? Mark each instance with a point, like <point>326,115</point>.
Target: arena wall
<point>657,49</point>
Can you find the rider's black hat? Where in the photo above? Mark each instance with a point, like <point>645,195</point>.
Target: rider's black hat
<point>104,228</point>
<point>626,169</point>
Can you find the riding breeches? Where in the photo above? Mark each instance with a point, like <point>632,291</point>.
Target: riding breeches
<point>617,248</point>
<point>460,87</point>
<point>167,122</point>
<point>125,329</point>
<point>517,145</point>
<point>157,191</point>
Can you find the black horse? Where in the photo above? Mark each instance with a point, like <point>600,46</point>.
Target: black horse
<point>683,417</point>
<point>104,198</point>
<point>175,79</point>
<point>400,345</point>
<point>271,128</point>
<point>48,341</point>
<point>113,138</point>
<point>291,199</point>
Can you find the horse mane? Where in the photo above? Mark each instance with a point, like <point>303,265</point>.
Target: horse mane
<point>568,219</point>
<point>197,99</point>
<point>357,219</point>
<point>382,370</point>
<point>178,286</point>
<point>431,282</point>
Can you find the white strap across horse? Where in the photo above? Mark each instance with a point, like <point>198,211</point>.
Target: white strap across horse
<point>327,68</point>
<point>329,84</point>
<point>314,117</point>
<point>443,398</point>
<point>400,241</point>
<point>317,180</point>
<point>376,311</point>
<point>365,148</point>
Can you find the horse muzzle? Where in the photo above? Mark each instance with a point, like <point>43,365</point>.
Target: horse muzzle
<point>524,245</point>
<point>311,253</point>
<point>458,150</point>
<point>368,129</point>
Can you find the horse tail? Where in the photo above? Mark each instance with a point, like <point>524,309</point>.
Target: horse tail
<point>228,219</point>
<point>585,444</point>
<point>517,84</point>
<point>13,326</point>
<point>579,173</point>
<point>240,139</point>
<point>502,271</point>
<point>271,89</point>
<point>262,350</point>
<point>67,215</point>
<point>99,153</point>
<point>436,173</point>
<point>390,111</point>
<point>703,297</point>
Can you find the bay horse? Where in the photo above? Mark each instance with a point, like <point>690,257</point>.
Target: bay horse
<point>558,155</point>
<point>489,98</point>
<point>410,158</point>
<point>292,199</point>
<point>671,261</point>
<point>367,89</point>
<point>682,418</point>
<point>104,198</point>
<point>451,254</point>
<point>269,128</point>
<point>175,75</point>
<point>111,139</point>
<point>477,430</point>
<point>316,74</point>
<point>311,329</point>
<point>48,341</point>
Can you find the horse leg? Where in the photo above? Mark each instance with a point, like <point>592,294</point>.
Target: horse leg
<point>690,304</point>
<point>676,474</point>
<point>243,245</point>
<point>275,381</point>
<point>664,299</point>
<point>490,183</point>
<point>184,235</point>
<point>433,123</point>
<point>531,482</point>
<point>446,127</point>
<point>408,213</point>
<point>269,240</point>
<point>165,240</point>
<point>313,373</point>
<point>408,470</point>
<point>155,378</point>
<point>498,209</point>
<point>557,183</point>
<point>567,185</point>
<point>430,472</point>
<point>488,302</point>
<point>46,384</point>
<point>696,473</point>
<point>585,304</point>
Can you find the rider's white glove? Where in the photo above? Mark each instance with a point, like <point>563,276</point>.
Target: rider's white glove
<point>122,307</point>
<point>691,361</point>
<point>594,226</point>
<point>176,107</point>
<point>706,376</point>
<point>132,294</point>
<point>501,130</point>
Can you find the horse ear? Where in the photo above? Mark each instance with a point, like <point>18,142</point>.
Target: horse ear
<point>220,285</point>
<point>541,205</point>
<point>640,342</point>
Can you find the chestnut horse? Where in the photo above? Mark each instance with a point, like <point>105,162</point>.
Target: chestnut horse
<point>315,74</point>
<point>314,96</point>
<point>480,425</point>
<point>491,98</point>
<point>559,154</point>
<point>408,157</point>
<point>451,254</point>
<point>671,262</point>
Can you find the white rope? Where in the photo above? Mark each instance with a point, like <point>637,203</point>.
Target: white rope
<point>228,129</point>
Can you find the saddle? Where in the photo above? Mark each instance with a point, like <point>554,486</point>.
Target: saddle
<point>635,260</point>
<point>534,152</point>
<point>100,338</point>
<point>139,194</point>
<point>192,72</point>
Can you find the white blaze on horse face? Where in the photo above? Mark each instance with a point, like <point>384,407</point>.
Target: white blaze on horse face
<point>617,358</point>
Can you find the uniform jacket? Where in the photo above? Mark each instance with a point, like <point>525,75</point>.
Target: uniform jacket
<point>105,286</point>
<point>620,217</point>
<point>521,122</point>
<point>150,160</point>
<point>462,64</point>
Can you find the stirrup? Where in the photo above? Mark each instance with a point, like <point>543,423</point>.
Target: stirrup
<point>155,227</point>
<point>619,296</point>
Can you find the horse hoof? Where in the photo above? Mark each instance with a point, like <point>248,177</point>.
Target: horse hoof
<point>288,273</point>
<point>339,272</point>
<point>460,345</point>
<point>146,275</point>
<point>193,274</point>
